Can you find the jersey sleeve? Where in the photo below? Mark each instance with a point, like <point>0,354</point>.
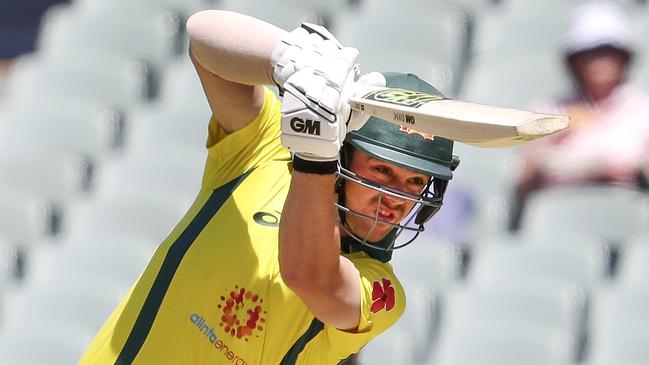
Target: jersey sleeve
<point>231,155</point>
<point>382,304</point>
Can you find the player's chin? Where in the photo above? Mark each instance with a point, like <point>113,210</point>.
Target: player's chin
<point>371,231</point>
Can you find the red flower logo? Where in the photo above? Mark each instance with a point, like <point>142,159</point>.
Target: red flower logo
<point>382,296</point>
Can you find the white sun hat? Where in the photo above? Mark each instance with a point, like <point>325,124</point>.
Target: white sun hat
<point>598,24</point>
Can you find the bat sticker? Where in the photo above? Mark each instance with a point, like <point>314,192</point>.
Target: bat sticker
<point>409,130</point>
<point>404,118</point>
<point>403,97</point>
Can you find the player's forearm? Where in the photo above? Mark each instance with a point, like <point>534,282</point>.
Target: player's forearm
<point>234,46</point>
<point>309,252</point>
<point>309,244</point>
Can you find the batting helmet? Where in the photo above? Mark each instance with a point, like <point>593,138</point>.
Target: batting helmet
<point>404,147</point>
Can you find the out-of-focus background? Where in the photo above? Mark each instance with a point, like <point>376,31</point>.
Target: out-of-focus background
<point>102,131</point>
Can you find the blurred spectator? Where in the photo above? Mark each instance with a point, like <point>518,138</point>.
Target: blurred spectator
<point>608,140</point>
<point>19,25</point>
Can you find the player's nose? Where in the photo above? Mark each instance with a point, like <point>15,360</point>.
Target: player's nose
<point>392,202</point>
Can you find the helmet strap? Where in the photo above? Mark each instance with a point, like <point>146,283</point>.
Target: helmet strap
<point>349,244</point>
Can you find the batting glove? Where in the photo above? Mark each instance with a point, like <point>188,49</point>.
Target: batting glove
<point>316,76</point>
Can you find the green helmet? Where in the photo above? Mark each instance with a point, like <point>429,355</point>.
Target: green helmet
<point>405,147</point>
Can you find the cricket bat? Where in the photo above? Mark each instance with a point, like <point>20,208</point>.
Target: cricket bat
<point>461,121</point>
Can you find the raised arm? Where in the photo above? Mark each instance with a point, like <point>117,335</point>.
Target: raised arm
<point>316,72</point>
<point>232,53</point>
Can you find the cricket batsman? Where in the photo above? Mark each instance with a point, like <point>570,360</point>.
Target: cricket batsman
<point>284,256</point>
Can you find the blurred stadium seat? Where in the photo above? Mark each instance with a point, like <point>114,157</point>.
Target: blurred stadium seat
<point>522,24</point>
<point>390,347</point>
<point>619,331</point>
<point>611,212</point>
<point>550,305</point>
<point>181,90</point>
<point>65,126</point>
<point>55,345</point>
<point>438,59</point>
<point>56,178</point>
<point>286,14</point>
<point>81,305</point>
<point>633,266</point>
<point>420,323</point>
<point>176,176</point>
<point>503,343</point>
<point>184,7</point>
<point>515,77</point>
<point>583,264</point>
<point>24,217</point>
<point>511,27</point>
<point>128,212</point>
<point>8,266</point>
<point>82,77</point>
<point>91,258</point>
<point>169,129</point>
<point>435,263</point>
<point>629,348</point>
<point>489,176</point>
<point>153,38</point>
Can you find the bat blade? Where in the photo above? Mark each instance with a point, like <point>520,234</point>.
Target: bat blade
<point>462,121</point>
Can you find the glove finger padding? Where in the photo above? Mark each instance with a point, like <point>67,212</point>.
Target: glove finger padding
<point>316,75</point>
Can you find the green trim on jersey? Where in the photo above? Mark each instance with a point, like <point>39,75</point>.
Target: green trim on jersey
<point>291,356</point>
<point>171,262</point>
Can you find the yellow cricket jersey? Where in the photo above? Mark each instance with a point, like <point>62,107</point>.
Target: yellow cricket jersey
<point>213,293</point>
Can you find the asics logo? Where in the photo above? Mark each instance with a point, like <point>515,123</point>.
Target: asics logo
<point>307,126</point>
<point>267,219</point>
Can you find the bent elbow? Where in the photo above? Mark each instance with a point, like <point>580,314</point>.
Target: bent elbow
<point>292,277</point>
<point>298,279</point>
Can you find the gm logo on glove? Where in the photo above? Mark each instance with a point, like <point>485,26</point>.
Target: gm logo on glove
<point>305,126</point>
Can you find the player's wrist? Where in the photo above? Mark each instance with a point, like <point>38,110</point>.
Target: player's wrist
<point>311,164</point>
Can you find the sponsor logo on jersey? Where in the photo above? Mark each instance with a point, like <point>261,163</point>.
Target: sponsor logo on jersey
<point>403,97</point>
<point>242,314</point>
<point>208,331</point>
<point>382,296</point>
<point>409,130</point>
<point>241,317</point>
<point>307,126</point>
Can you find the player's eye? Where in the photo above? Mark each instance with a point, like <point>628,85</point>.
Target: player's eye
<point>417,184</point>
<point>419,181</point>
<point>382,170</point>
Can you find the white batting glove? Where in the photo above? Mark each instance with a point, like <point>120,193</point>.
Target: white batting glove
<point>316,75</point>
